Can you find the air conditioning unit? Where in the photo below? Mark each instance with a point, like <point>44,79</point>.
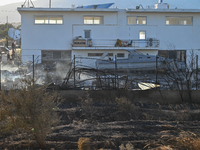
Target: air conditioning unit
<point>152,42</point>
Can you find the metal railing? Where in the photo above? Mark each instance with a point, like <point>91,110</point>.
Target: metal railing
<point>136,43</point>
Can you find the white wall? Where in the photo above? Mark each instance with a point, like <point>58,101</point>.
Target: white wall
<point>59,37</point>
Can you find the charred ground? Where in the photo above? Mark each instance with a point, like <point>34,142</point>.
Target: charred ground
<point>114,124</point>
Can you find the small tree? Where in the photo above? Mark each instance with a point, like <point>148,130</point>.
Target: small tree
<point>182,77</point>
<point>31,110</point>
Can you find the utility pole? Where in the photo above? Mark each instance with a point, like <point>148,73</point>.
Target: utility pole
<point>49,3</point>
<point>7,21</point>
<point>33,70</point>
<point>74,71</point>
<point>196,72</point>
<point>156,71</point>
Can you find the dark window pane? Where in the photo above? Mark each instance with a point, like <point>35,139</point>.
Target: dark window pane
<point>120,54</point>
<point>87,33</point>
<point>172,55</point>
<point>56,55</point>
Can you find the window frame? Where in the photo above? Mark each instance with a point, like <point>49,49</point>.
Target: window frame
<point>179,20</point>
<point>93,20</point>
<point>49,16</point>
<point>137,20</point>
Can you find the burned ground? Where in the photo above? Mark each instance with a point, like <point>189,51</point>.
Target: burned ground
<point>116,124</point>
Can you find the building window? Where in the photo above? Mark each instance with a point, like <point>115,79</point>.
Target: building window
<point>120,54</point>
<point>41,20</point>
<point>56,55</point>
<point>55,20</point>
<point>178,20</point>
<point>98,54</point>
<point>136,20</point>
<point>87,33</point>
<point>93,20</point>
<point>186,20</point>
<point>48,20</point>
<point>179,55</point>
<point>172,21</point>
<point>142,35</point>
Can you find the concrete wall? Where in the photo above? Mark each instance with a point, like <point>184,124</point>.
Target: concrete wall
<point>151,96</point>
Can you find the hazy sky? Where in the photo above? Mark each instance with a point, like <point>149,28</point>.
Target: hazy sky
<point>8,8</point>
<point>5,2</point>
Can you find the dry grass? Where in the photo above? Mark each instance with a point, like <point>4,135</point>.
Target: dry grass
<point>188,143</point>
<point>2,40</point>
<point>185,141</point>
<point>124,103</point>
<point>84,143</point>
<point>128,146</point>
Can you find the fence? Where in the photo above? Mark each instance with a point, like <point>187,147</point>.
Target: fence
<point>94,74</point>
<point>97,74</point>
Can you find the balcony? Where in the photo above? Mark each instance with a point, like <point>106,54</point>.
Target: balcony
<point>149,43</point>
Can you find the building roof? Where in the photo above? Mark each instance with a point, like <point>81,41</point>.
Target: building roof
<point>164,10</point>
<point>97,6</point>
<point>21,9</point>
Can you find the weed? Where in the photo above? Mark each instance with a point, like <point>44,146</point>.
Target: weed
<point>128,146</point>
<point>84,143</point>
<point>86,105</point>
<point>29,110</point>
<point>125,104</point>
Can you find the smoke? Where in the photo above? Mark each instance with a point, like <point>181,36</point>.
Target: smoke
<point>12,75</point>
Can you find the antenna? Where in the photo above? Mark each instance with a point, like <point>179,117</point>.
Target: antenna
<point>27,4</point>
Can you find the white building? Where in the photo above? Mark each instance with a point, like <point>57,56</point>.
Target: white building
<point>49,32</point>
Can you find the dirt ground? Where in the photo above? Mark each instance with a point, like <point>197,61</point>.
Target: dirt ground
<point>117,125</point>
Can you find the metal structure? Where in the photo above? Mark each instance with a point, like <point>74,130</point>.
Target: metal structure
<point>28,3</point>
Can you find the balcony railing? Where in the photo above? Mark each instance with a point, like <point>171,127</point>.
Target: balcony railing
<point>146,43</point>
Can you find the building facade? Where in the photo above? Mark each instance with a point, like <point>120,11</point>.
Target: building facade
<point>57,34</point>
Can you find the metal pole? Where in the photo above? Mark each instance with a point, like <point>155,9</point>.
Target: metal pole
<point>0,67</point>
<point>7,22</point>
<point>196,72</point>
<point>33,71</point>
<point>74,72</point>
<point>156,70</point>
<point>115,70</point>
<point>49,3</point>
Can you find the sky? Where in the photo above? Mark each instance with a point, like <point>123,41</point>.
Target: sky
<point>8,8</point>
<point>6,2</point>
